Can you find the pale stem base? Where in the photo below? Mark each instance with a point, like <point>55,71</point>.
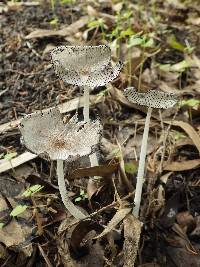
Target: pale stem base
<point>64,195</point>
<point>141,167</point>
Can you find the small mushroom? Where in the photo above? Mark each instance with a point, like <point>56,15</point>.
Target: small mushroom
<point>46,134</point>
<point>151,99</point>
<point>87,66</point>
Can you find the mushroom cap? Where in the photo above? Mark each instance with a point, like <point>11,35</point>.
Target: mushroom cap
<point>152,98</point>
<point>46,134</point>
<point>94,79</point>
<point>85,65</point>
<point>82,58</point>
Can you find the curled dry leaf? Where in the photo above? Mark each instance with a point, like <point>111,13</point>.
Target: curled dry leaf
<point>192,133</point>
<point>132,230</point>
<point>117,218</point>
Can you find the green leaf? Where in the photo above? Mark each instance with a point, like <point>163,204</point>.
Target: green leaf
<point>134,41</point>
<point>127,32</point>
<point>1,155</point>
<point>82,192</point>
<point>172,41</point>
<point>32,190</point>
<point>96,23</point>
<point>178,135</point>
<point>78,199</point>
<point>54,21</point>
<point>181,66</point>
<point>11,155</point>
<point>178,67</point>
<point>68,2</point>
<point>148,43</point>
<point>190,102</point>
<point>130,168</point>
<point>1,225</point>
<point>18,210</point>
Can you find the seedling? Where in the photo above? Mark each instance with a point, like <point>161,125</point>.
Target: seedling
<point>46,134</point>
<point>151,99</point>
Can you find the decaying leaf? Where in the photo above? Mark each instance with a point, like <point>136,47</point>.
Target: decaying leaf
<point>132,230</point>
<point>182,165</point>
<point>117,218</point>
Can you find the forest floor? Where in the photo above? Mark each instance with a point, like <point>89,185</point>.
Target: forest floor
<point>159,43</point>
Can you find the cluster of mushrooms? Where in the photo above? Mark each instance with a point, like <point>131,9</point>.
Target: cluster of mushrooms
<point>45,133</point>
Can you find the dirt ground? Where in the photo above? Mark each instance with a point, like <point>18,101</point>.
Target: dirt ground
<point>159,43</point>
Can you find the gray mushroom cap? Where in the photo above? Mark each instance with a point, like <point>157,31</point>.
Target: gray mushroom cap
<point>85,65</point>
<point>153,98</point>
<point>46,134</point>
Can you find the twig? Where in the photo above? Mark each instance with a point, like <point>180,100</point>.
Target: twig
<point>45,256</point>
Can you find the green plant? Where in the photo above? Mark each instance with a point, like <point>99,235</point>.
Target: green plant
<point>83,195</point>
<point>8,155</point>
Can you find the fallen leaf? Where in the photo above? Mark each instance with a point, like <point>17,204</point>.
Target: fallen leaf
<point>132,231</point>
<point>14,234</point>
<point>117,218</point>
<point>71,29</point>
<point>102,170</point>
<point>195,137</point>
<point>182,166</point>
<point>183,257</point>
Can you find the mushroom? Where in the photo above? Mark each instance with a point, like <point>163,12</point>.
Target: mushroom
<point>86,66</point>
<point>46,134</point>
<point>151,99</point>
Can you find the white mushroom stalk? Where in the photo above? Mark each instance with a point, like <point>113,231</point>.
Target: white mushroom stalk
<point>46,134</point>
<point>85,66</point>
<point>151,99</point>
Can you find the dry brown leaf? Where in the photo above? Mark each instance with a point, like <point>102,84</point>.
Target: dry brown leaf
<point>182,166</point>
<point>195,137</point>
<point>16,233</point>
<point>101,170</point>
<point>117,218</point>
<point>132,230</point>
<point>71,29</point>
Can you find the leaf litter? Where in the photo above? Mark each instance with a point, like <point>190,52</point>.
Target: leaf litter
<point>157,55</point>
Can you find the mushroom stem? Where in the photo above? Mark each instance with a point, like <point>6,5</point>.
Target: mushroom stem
<point>86,112</point>
<point>141,167</point>
<point>86,107</point>
<point>64,194</point>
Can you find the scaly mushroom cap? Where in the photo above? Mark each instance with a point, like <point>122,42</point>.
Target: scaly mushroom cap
<point>46,134</point>
<point>153,98</point>
<point>85,65</point>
